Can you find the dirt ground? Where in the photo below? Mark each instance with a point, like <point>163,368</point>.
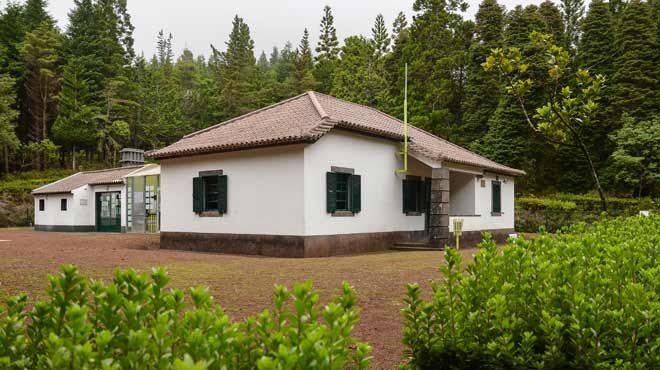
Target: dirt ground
<point>241,284</point>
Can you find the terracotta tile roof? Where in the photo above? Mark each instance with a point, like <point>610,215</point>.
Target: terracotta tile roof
<point>307,117</point>
<point>100,177</point>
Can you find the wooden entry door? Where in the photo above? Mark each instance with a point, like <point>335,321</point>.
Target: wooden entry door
<point>108,212</point>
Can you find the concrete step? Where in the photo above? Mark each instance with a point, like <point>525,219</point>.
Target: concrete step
<point>413,246</point>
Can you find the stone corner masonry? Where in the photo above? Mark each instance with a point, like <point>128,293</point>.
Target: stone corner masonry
<point>439,217</point>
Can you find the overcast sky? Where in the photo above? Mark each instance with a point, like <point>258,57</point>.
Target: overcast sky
<point>197,23</point>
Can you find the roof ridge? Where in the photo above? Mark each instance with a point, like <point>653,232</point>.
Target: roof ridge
<point>110,169</point>
<point>359,105</point>
<point>317,105</point>
<point>244,115</point>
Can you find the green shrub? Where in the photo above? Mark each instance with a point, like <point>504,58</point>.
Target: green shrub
<point>585,299</point>
<point>135,322</point>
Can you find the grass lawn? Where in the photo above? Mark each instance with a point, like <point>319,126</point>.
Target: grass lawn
<point>241,284</point>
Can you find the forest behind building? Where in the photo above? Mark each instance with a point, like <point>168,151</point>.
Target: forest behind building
<point>73,97</point>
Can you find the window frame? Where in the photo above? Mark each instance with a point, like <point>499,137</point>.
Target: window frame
<point>201,201</point>
<point>493,185</point>
<point>64,204</point>
<point>42,205</point>
<point>206,193</point>
<point>353,201</point>
<point>348,191</point>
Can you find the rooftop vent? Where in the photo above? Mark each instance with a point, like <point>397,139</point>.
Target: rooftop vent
<point>131,157</point>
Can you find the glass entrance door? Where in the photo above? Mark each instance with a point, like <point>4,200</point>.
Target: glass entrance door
<point>108,212</point>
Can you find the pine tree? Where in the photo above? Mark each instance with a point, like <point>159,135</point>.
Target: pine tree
<point>35,14</point>
<point>552,19</point>
<point>597,42</point>
<point>304,66</point>
<point>399,25</point>
<point>438,56</point>
<point>572,13</point>
<point>328,45</point>
<point>636,79</point>
<point>164,53</point>
<point>394,64</point>
<point>327,51</point>
<point>379,37</point>
<point>39,55</point>
<point>75,126</point>
<point>8,117</point>
<point>82,44</point>
<point>595,53</point>
<point>478,106</point>
<point>356,78</point>
<point>237,71</point>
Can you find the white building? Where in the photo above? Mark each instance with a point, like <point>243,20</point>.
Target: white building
<point>317,176</point>
<point>123,199</point>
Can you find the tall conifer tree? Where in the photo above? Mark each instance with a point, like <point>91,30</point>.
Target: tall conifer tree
<point>304,66</point>
<point>572,13</point>
<point>327,51</point>
<point>636,80</point>
<point>39,53</point>
<point>479,106</point>
<point>380,37</point>
<point>237,71</point>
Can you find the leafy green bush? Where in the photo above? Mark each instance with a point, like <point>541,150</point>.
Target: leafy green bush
<point>585,299</point>
<point>137,323</point>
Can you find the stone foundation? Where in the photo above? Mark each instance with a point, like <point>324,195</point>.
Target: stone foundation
<point>65,228</point>
<point>285,245</point>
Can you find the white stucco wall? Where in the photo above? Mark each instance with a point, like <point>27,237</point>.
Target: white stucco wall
<point>462,192</point>
<point>485,220</point>
<point>52,213</point>
<point>375,160</point>
<point>282,190</point>
<point>264,187</point>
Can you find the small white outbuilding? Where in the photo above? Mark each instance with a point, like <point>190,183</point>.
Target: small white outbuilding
<point>123,199</point>
<point>317,176</point>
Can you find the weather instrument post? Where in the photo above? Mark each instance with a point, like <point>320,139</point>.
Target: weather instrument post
<point>405,123</point>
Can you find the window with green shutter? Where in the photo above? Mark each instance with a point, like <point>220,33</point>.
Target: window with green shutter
<point>210,192</point>
<point>414,195</point>
<point>496,192</point>
<point>343,193</point>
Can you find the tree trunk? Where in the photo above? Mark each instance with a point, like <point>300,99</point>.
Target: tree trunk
<point>73,158</point>
<point>594,174</point>
<point>6,150</point>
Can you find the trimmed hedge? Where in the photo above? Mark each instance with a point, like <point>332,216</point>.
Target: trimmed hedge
<point>136,322</point>
<point>588,298</point>
<point>561,210</point>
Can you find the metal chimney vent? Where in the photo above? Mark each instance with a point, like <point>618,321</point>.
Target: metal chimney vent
<point>132,157</point>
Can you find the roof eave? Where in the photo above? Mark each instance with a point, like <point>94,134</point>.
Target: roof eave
<point>234,148</point>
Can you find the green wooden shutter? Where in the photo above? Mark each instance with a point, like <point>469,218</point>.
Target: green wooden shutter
<point>497,197</point>
<point>420,189</point>
<point>222,193</point>
<point>356,194</point>
<point>408,199</point>
<point>331,191</point>
<point>198,195</point>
